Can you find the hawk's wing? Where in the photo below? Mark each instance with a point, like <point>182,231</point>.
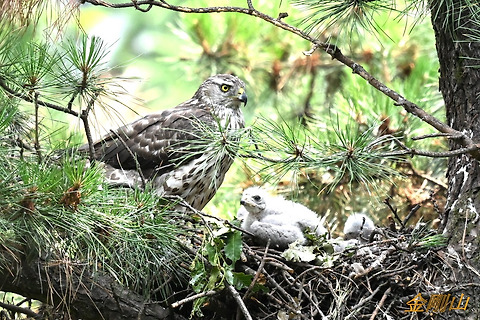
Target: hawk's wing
<point>158,141</point>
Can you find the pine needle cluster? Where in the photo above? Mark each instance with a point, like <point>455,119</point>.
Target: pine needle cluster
<point>351,15</point>
<point>349,155</point>
<point>55,204</point>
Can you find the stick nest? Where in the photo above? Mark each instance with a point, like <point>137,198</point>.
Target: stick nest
<point>374,280</point>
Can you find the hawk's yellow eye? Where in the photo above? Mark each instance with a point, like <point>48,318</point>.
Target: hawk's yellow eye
<point>225,87</point>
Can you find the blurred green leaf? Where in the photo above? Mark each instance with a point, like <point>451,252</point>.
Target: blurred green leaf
<point>233,246</point>
<point>241,280</point>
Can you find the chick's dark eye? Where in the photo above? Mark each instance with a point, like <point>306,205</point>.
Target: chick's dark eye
<point>225,87</point>
<point>256,198</point>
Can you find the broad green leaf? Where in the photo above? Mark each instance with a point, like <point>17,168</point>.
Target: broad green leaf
<point>241,280</point>
<point>214,278</point>
<point>198,276</point>
<point>233,248</point>
<point>212,253</point>
<point>229,276</point>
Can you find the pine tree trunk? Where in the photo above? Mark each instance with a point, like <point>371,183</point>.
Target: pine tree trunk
<point>459,58</point>
<point>75,291</point>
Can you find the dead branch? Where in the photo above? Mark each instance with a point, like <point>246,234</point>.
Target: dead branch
<point>381,303</point>
<point>257,274</point>
<point>239,301</point>
<point>39,102</point>
<point>436,135</point>
<point>394,211</point>
<point>18,309</point>
<point>193,298</point>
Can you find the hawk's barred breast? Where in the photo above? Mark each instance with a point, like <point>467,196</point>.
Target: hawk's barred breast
<point>175,149</point>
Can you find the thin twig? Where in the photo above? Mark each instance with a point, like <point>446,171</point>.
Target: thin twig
<point>23,301</point>
<point>362,303</point>
<point>381,303</point>
<point>263,158</point>
<point>394,211</point>
<point>438,134</point>
<point>141,9</point>
<point>378,261</point>
<point>284,293</point>
<point>88,134</point>
<point>425,176</point>
<point>409,215</point>
<point>134,157</point>
<point>432,154</point>
<point>84,116</point>
<point>311,51</point>
<point>409,151</point>
<point>272,261</point>
<point>259,271</point>
<point>307,106</point>
<point>40,102</point>
<point>36,143</point>
<point>185,204</point>
<point>70,102</point>
<point>192,298</point>
<point>241,304</point>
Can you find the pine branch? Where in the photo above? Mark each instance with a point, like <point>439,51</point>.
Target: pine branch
<point>37,133</point>
<point>18,309</point>
<point>26,98</point>
<point>37,103</point>
<point>250,5</point>
<point>431,154</point>
<point>436,135</point>
<point>251,155</point>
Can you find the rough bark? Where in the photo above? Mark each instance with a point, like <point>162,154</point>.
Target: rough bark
<point>460,86</point>
<point>77,292</point>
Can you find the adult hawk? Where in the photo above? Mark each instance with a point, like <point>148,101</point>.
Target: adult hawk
<point>183,151</point>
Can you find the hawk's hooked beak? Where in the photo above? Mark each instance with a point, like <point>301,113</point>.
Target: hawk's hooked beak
<point>246,203</point>
<point>242,96</point>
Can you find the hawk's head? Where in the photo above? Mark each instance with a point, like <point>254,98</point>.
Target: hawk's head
<point>222,90</point>
<point>254,200</point>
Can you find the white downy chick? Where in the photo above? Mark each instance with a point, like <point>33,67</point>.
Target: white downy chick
<point>275,218</point>
<point>253,206</point>
<point>358,226</point>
